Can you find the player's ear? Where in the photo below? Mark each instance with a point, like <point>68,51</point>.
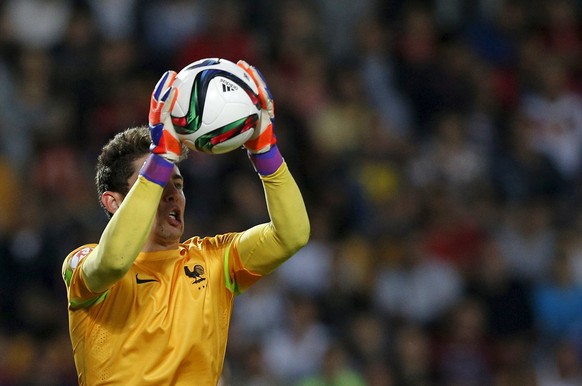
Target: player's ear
<point>111,201</point>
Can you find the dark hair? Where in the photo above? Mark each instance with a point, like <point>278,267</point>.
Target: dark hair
<point>115,163</point>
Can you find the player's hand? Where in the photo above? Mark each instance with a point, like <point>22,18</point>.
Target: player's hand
<point>263,137</point>
<point>165,141</point>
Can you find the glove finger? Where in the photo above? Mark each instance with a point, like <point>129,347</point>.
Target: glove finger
<point>159,110</point>
<point>172,141</point>
<point>259,81</point>
<point>244,65</point>
<point>264,93</point>
<point>169,99</point>
<point>163,84</point>
<point>160,86</point>
<point>262,81</point>
<point>267,96</point>
<point>169,126</point>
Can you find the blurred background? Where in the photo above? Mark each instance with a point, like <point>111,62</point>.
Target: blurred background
<point>438,145</point>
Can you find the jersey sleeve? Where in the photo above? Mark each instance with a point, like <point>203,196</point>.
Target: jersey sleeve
<point>237,276</point>
<point>78,294</point>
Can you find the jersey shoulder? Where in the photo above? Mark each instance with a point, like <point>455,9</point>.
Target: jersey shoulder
<point>217,242</point>
<point>73,259</point>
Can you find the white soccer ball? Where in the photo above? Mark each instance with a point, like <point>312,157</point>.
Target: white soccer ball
<point>217,108</point>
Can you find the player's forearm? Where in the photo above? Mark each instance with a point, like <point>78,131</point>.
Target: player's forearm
<point>124,236</point>
<point>264,247</point>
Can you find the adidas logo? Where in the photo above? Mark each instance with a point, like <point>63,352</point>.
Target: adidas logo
<point>227,86</point>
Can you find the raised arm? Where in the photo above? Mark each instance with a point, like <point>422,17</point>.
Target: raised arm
<point>264,247</point>
<point>127,231</point>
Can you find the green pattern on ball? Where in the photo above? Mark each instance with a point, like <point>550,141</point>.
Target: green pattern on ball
<point>194,116</point>
<point>204,142</point>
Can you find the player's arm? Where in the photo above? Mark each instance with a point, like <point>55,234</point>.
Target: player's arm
<point>124,235</point>
<point>264,247</point>
<point>128,229</point>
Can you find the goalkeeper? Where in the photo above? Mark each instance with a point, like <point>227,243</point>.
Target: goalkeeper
<point>145,307</point>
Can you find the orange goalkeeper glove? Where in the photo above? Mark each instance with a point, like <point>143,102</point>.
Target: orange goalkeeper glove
<point>263,138</point>
<point>261,147</point>
<point>165,141</point>
<point>165,148</point>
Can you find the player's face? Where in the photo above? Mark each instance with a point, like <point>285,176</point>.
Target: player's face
<point>168,225</point>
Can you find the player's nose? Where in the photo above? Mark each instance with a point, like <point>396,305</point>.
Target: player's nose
<point>171,193</point>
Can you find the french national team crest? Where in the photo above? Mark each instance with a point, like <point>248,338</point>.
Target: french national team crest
<point>80,255</point>
<point>196,273</point>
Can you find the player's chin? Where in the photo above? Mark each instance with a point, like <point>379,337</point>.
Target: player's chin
<point>171,233</point>
<point>170,227</point>
<point>175,228</point>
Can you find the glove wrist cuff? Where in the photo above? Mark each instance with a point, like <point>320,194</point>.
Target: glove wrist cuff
<point>157,169</point>
<point>268,162</point>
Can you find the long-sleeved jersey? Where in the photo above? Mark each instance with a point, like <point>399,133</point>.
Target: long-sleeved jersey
<point>166,321</point>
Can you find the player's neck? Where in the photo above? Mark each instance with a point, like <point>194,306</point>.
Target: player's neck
<point>157,246</point>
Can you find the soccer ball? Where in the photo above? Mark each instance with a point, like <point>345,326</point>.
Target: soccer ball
<point>217,108</point>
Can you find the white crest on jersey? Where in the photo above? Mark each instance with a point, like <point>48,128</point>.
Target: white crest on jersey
<point>77,257</point>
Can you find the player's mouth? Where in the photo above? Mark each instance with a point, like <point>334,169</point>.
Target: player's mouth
<point>175,218</point>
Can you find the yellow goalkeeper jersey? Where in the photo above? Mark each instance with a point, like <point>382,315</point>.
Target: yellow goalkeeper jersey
<point>166,298</point>
<point>165,322</point>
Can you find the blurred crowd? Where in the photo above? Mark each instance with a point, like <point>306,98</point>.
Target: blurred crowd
<point>438,145</point>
